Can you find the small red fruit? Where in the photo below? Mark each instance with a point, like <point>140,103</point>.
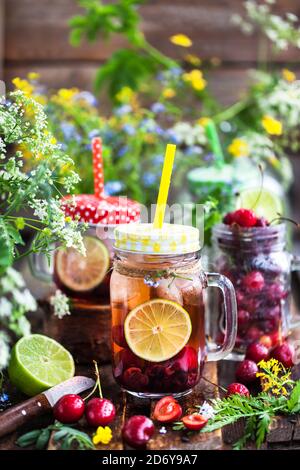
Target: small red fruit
<point>69,409</point>
<point>257,352</point>
<point>246,371</point>
<point>237,389</point>
<point>254,281</point>
<point>243,318</point>
<point>266,340</point>
<point>167,410</point>
<point>194,422</point>
<point>244,218</point>
<point>100,412</point>
<point>284,353</point>
<point>253,334</point>
<point>137,431</point>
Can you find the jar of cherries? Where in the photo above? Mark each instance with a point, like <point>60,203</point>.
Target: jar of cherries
<point>252,253</point>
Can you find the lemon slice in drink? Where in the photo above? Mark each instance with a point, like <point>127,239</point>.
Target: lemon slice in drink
<point>38,363</point>
<point>262,201</point>
<point>157,330</point>
<point>83,273</point>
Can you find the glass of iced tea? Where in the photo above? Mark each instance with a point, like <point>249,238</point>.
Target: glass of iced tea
<point>158,293</point>
<point>87,278</point>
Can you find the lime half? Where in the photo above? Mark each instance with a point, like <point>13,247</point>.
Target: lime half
<point>38,363</point>
<point>262,201</point>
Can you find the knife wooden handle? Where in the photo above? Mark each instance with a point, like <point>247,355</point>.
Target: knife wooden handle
<point>18,415</point>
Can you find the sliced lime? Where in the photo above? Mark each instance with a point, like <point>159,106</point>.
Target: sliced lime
<point>38,363</point>
<point>262,201</point>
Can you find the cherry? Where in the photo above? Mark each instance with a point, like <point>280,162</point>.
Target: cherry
<point>284,353</point>
<point>257,352</point>
<point>118,336</point>
<point>254,281</point>
<point>137,431</point>
<point>276,292</point>
<point>261,222</point>
<point>100,412</point>
<point>124,360</point>
<point>194,422</point>
<point>237,389</point>
<point>185,360</point>
<point>266,340</point>
<point>246,371</point>
<point>167,410</point>
<point>253,334</point>
<point>243,318</point>
<point>134,379</point>
<point>228,219</point>
<point>69,409</point>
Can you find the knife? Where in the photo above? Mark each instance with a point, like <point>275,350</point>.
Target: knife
<point>20,414</point>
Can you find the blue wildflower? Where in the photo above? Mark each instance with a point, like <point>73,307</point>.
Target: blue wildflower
<point>94,133</point>
<point>123,150</point>
<point>88,147</point>
<point>176,71</point>
<point>69,131</point>
<point>124,109</point>
<point>88,97</point>
<point>172,137</point>
<point>209,157</point>
<point>193,150</point>
<point>158,108</point>
<point>113,187</point>
<point>148,125</point>
<point>158,159</point>
<point>149,179</point>
<point>129,129</point>
<point>159,131</point>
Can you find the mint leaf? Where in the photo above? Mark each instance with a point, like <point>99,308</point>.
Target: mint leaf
<point>293,403</point>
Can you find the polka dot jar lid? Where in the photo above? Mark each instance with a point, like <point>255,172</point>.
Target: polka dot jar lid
<point>110,210</point>
<point>169,240</point>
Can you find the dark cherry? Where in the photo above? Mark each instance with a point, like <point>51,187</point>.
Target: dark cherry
<point>276,292</point>
<point>137,431</point>
<point>246,371</point>
<point>253,334</point>
<point>254,281</point>
<point>69,409</point>
<point>243,318</point>
<point>124,360</point>
<point>257,352</point>
<point>284,353</point>
<point>261,222</point>
<point>237,389</point>
<point>100,412</point>
<point>134,379</point>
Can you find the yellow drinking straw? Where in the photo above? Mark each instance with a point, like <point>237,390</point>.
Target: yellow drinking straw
<point>164,186</point>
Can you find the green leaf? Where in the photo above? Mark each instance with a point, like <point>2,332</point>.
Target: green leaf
<point>6,246</point>
<point>20,223</point>
<point>28,438</point>
<point>43,439</point>
<point>293,403</point>
<point>264,421</point>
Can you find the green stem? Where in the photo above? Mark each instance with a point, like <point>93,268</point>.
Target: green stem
<point>231,112</point>
<point>98,379</point>
<point>155,54</point>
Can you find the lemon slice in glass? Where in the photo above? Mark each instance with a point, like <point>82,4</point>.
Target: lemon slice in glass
<point>262,201</point>
<point>83,273</point>
<point>157,330</point>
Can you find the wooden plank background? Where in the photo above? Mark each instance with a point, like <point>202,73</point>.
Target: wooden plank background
<point>36,38</point>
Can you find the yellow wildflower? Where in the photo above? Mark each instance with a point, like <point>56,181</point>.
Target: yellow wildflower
<point>239,148</point>
<point>169,93</point>
<point>68,219</point>
<point>23,85</point>
<point>203,121</point>
<point>125,94</point>
<point>65,95</point>
<point>288,75</point>
<point>193,59</point>
<point>272,125</point>
<point>195,78</point>
<point>181,40</point>
<point>102,436</point>
<point>32,76</point>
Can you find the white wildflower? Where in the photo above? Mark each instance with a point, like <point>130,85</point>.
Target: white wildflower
<point>24,326</point>
<point>4,350</point>
<point>207,410</point>
<point>61,304</point>
<point>25,300</point>
<point>5,307</point>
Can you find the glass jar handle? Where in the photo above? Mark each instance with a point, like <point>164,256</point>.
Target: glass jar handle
<point>40,267</point>
<point>230,314</point>
<point>295,266</point>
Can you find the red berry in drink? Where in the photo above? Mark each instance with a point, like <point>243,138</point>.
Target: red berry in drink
<point>276,292</point>
<point>244,218</point>
<point>237,389</point>
<point>228,219</point>
<point>254,281</point>
<point>100,412</point>
<point>137,431</point>
<point>69,409</point>
<point>118,336</point>
<point>124,360</point>
<point>167,410</point>
<point>261,222</point>
<point>194,422</point>
<point>257,352</point>
<point>134,379</point>
<point>240,297</point>
<point>284,353</point>
<point>246,371</point>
